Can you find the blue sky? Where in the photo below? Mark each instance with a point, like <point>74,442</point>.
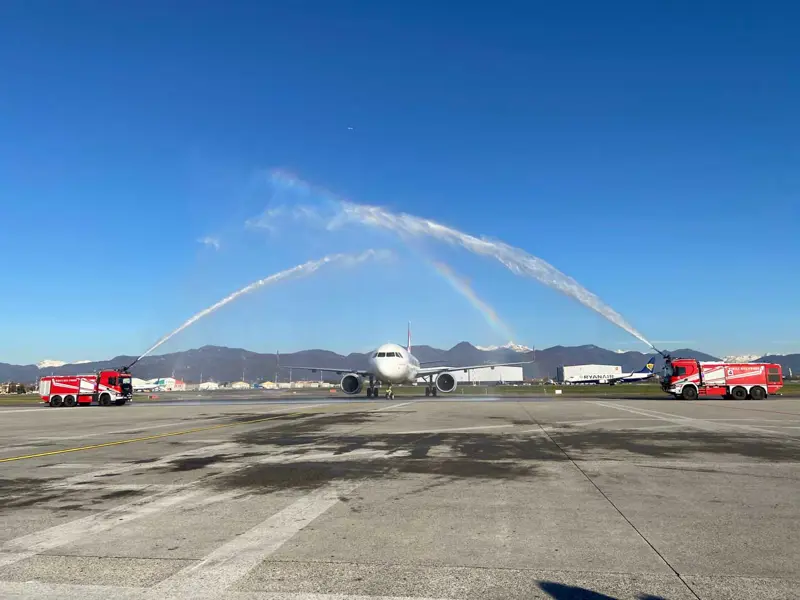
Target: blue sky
<point>650,152</point>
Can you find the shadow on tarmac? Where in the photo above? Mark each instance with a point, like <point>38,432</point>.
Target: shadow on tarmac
<point>559,591</point>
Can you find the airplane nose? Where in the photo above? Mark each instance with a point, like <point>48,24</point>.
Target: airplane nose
<point>383,370</point>
<point>387,371</point>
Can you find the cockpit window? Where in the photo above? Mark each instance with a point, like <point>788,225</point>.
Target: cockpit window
<point>381,354</point>
<point>375,355</point>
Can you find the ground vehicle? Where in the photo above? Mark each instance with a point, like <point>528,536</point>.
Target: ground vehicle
<point>688,378</point>
<point>105,388</point>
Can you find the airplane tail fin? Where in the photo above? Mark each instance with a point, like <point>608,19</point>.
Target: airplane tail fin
<point>408,346</point>
<point>648,368</point>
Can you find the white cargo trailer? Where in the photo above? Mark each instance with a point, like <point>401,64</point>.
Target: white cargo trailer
<point>573,374</point>
<point>480,375</point>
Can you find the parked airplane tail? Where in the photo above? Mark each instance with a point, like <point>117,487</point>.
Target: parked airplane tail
<point>648,368</point>
<point>408,346</point>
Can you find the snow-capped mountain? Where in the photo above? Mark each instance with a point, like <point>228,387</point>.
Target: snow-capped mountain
<point>508,346</point>
<point>51,364</point>
<point>742,358</point>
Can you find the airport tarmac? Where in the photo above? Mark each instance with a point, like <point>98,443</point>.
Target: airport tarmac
<point>482,499</point>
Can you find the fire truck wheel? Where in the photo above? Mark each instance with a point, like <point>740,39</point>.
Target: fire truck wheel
<point>739,393</point>
<point>56,401</point>
<point>689,393</point>
<point>69,401</point>
<point>105,400</point>
<point>757,393</point>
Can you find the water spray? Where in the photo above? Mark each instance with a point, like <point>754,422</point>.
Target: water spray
<point>300,270</point>
<point>407,226</point>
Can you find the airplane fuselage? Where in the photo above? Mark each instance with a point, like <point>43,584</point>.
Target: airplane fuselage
<point>392,363</point>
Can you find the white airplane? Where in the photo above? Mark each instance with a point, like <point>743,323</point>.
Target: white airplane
<point>645,372</point>
<point>140,385</point>
<point>392,364</point>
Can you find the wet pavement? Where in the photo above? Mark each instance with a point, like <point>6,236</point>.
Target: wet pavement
<point>330,500</point>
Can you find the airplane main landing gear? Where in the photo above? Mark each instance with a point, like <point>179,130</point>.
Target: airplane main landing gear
<point>430,389</point>
<point>372,389</point>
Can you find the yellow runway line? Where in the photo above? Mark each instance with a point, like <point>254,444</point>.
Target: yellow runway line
<point>149,437</point>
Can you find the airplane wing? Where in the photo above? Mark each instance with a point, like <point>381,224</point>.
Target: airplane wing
<point>425,371</point>
<point>338,371</point>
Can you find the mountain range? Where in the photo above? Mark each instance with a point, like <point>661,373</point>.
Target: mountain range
<point>218,363</point>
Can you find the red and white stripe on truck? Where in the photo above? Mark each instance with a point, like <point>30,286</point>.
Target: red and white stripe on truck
<point>104,388</point>
<point>689,379</point>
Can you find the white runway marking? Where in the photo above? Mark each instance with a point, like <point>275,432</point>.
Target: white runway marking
<point>393,406</point>
<point>451,429</point>
<point>161,462</point>
<point>18,590</point>
<point>195,441</point>
<point>334,456</point>
<point>53,537</point>
<point>681,420</point>
<point>230,562</point>
<point>655,427</point>
<point>143,428</point>
<point>564,424</point>
<point>18,449</point>
<point>540,430</point>
<point>184,423</point>
<point>84,466</point>
<point>758,420</point>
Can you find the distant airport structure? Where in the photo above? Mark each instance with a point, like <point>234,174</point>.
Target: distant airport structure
<point>161,384</point>
<point>483,375</point>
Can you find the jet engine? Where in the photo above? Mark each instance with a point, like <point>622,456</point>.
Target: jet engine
<point>351,384</point>
<point>446,383</point>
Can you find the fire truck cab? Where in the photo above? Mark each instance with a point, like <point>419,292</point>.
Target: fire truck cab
<point>105,388</point>
<point>689,379</point>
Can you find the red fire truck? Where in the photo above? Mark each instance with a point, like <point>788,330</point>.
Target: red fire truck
<point>688,378</point>
<point>105,388</point>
